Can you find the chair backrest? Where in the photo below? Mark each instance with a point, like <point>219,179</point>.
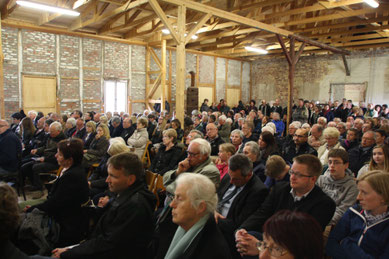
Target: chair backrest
<point>158,186</point>
<point>146,156</point>
<point>150,179</point>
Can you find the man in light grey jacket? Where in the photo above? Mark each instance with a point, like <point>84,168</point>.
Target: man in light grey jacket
<point>338,182</point>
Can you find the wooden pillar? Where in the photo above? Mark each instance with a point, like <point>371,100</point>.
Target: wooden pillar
<point>2,105</point>
<point>163,74</point>
<point>180,64</point>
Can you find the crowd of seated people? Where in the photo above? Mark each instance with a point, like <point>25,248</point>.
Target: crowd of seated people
<point>322,166</point>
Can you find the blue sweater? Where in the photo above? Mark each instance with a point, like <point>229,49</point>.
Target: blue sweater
<point>351,238</point>
<point>10,147</point>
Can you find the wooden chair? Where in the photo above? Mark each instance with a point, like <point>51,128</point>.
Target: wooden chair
<point>91,169</point>
<point>158,186</point>
<point>150,179</point>
<point>146,156</point>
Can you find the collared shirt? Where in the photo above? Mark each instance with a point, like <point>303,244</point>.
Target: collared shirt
<point>299,198</point>
<point>226,207</point>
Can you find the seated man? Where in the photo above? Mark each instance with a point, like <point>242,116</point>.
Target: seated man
<point>300,194</point>
<point>240,194</point>
<point>361,154</point>
<point>193,205</point>
<point>213,138</point>
<point>10,149</point>
<point>338,183</point>
<point>126,227</point>
<point>298,146</point>
<point>276,171</point>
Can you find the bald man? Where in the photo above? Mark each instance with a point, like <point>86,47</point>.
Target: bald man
<point>10,148</point>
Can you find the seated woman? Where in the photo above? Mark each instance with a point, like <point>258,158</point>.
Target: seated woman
<point>363,231</point>
<point>286,234</point>
<point>67,194</point>
<point>98,147</point>
<point>70,127</point>
<point>331,136</point>
<point>226,150</point>
<point>168,155</point>
<point>27,130</point>
<point>139,138</point>
<point>90,133</point>
<point>96,181</point>
<point>176,124</point>
<point>379,160</point>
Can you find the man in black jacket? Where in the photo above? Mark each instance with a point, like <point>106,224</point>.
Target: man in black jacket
<point>126,227</point>
<point>362,153</point>
<point>213,138</point>
<point>10,149</point>
<point>300,194</point>
<point>298,146</point>
<point>240,194</point>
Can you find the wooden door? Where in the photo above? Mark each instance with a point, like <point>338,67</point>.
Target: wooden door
<point>39,94</point>
<point>233,96</point>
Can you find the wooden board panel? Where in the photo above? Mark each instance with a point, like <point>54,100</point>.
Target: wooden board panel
<point>205,93</point>
<point>233,96</point>
<point>39,94</point>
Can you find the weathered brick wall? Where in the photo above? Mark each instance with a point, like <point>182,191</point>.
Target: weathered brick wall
<point>315,74</point>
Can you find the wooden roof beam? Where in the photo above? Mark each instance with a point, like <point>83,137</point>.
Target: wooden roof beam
<point>161,14</point>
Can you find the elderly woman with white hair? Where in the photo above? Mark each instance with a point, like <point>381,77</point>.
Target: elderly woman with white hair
<point>70,127</point>
<point>331,136</point>
<point>193,205</point>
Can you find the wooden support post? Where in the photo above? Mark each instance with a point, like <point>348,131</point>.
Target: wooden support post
<point>180,64</point>
<point>346,67</point>
<point>163,74</point>
<point>2,105</point>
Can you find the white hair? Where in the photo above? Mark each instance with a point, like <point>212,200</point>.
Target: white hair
<point>269,129</point>
<point>223,117</point>
<point>237,131</point>
<point>199,188</point>
<point>295,124</point>
<point>57,125</point>
<point>71,121</point>
<point>254,147</point>
<point>204,146</point>
<point>229,121</point>
<point>272,125</point>
<point>324,119</point>
<point>32,112</point>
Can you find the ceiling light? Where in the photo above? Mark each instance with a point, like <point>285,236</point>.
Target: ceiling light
<point>48,8</point>
<point>195,37</point>
<point>261,51</point>
<point>372,3</point>
<point>79,3</point>
<point>165,31</point>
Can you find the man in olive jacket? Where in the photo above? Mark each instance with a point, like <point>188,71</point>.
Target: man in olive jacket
<point>126,227</point>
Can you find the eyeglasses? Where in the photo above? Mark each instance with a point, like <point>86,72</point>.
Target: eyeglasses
<point>298,175</point>
<point>274,251</point>
<point>299,136</point>
<point>330,162</point>
<point>193,154</point>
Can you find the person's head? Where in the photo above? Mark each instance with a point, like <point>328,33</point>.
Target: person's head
<point>141,123</point>
<point>104,119</point>
<point>276,116</point>
<point>380,158</point>
<point>16,118</point>
<point>90,127</point>
<point>317,130</point>
<point>176,124</point>
<point>102,130</point>
<point>251,150</point>
<point>293,127</point>
<point>304,173</point>
<point>341,126</point>
<point>124,170</point>
<point>374,191</point>
<point>55,129</point>
<point>69,152</point>
<point>291,234</point>
<point>205,101</point>
<point>27,124</point>
<point>193,134</point>
<point>212,131</point>
<point>9,212</point>
<point>88,116</point>
<point>96,117</point>
<point>222,119</point>
<point>368,139</point>
<point>70,123</point>
<point>247,128</point>
<point>47,124</point>
<point>41,123</point>
<point>199,151</point>
<point>127,122</point>
<point>338,162</point>
<point>300,137</point>
<point>80,124</point>
<point>331,135</point>
<point>240,169</point>
<point>366,127</point>
<point>236,137</point>
<point>169,136</point>
<point>266,139</point>
<point>226,150</point>
<point>117,146</point>
<point>275,167</point>
<point>115,121</point>
<point>380,136</point>
<point>352,134</point>
<point>358,124</point>
<point>194,197</point>
<point>77,114</point>
<point>322,121</point>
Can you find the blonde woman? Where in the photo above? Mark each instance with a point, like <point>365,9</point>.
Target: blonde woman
<point>90,134</point>
<point>139,139</point>
<point>226,150</point>
<point>379,160</point>
<point>331,136</point>
<point>98,147</point>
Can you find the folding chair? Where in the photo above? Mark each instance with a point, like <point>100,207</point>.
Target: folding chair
<point>146,156</point>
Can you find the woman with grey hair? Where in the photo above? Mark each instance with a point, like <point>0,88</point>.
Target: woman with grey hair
<point>331,136</point>
<point>193,205</point>
<point>139,138</point>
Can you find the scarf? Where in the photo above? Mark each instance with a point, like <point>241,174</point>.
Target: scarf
<point>182,240</point>
<point>372,219</point>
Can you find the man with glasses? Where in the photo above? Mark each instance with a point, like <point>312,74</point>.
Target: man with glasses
<point>338,182</point>
<point>10,149</point>
<point>361,154</point>
<point>301,194</point>
<point>299,146</point>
